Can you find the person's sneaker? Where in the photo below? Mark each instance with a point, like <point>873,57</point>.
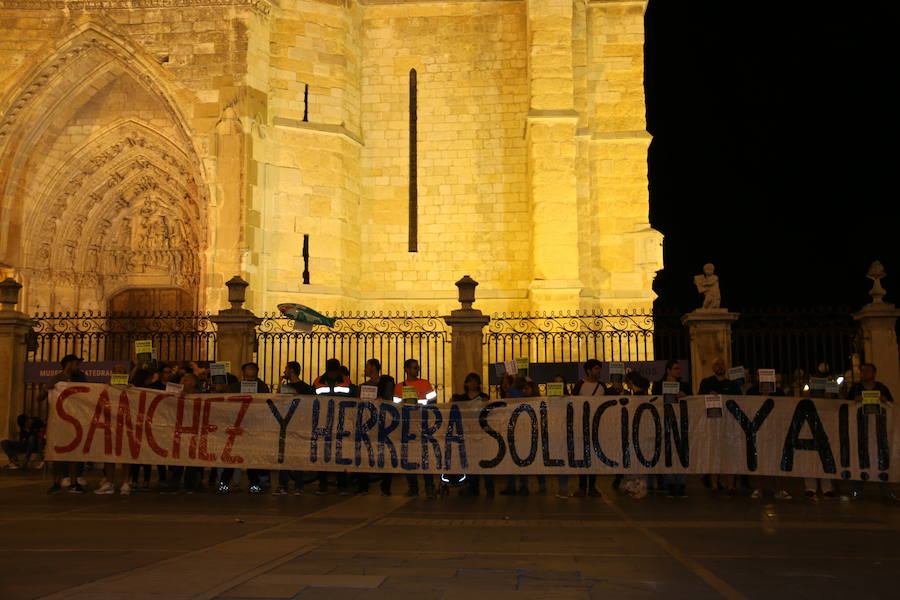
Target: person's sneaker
<point>255,489</point>
<point>321,491</point>
<point>65,482</point>
<point>298,491</point>
<point>756,494</point>
<point>11,466</point>
<point>344,492</point>
<point>77,489</point>
<point>223,488</point>
<point>81,481</point>
<point>125,490</point>
<point>809,494</point>
<point>856,495</point>
<point>38,465</point>
<point>55,489</point>
<point>105,488</point>
<point>783,495</point>
<point>280,491</point>
<point>412,493</point>
<point>594,493</point>
<point>562,495</point>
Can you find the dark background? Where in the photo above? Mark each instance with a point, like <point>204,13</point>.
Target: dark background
<point>774,128</point>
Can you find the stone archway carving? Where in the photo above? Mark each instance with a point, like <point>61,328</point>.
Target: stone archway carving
<point>122,205</point>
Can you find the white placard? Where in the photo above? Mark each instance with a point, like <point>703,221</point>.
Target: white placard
<point>174,388</point>
<point>249,387</point>
<point>736,373</point>
<point>368,392</point>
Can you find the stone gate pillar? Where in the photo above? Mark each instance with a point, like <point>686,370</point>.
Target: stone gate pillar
<point>878,321</point>
<point>710,335</point>
<point>14,328</point>
<point>236,327</point>
<point>466,336</point>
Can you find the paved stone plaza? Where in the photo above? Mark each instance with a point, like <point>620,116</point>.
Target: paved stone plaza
<point>204,546</point>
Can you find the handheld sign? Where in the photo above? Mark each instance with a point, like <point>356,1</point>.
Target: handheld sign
<point>766,381</point>
<point>556,388</point>
<point>817,387</point>
<point>174,388</point>
<point>616,372</point>
<point>368,392</point>
<point>510,367</point>
<point>713,406</point>
<point>410,394</point>
<point>670,391</point>
<point>118,379</point>
<point>499,369</point>
<point>144,350</point>
<point>249,387</point>
<point>522,367</point>
<point>217,372</point>
<point>871,400</point>
<point>736,374</point>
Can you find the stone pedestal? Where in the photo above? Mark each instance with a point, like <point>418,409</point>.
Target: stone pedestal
<point>236,327</point>
<point>878,322</point>
<point>466,336</point>
<point>710,334</point>
<point>14,328</point>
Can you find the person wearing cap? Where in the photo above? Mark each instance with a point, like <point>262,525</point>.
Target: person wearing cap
<point>424,394</point>
<point>333,382</point>
<point>66,474</point>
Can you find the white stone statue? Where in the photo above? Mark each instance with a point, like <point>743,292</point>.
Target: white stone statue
<point>708,285</point>
<point>876,274</point>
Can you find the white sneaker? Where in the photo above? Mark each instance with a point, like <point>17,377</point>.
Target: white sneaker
<point>81,481</point>
<point>66,482</point>
<point>38,465</point>
<point>783,495</point>
<point>12,466</point>
<point>105,488</point>
<point>125,489</point>
<point>756,495</point>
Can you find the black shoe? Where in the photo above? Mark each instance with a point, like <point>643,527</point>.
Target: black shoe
<point>508,492</point>
<point>55,489</point>
<point>77,489</point>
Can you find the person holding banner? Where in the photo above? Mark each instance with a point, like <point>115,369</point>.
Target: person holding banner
<point>719,384</point>
<point>250,373</point>
<point>193,476</point>
<point>333,382</point>
<point>413,389</point>
<point>674,483</point>
<point>869,392</point>
<point>376,387</point>
<point>74,481</point>
<point>590,386</point>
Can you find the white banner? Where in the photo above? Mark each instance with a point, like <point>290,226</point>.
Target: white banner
<point>795,437</point>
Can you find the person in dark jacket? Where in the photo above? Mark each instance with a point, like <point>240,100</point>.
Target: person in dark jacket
<point>384,390</point>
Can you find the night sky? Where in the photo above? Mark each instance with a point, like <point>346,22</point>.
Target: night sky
<point>773,155</point>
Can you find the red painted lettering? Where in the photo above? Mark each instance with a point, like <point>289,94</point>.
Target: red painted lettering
<point>76,424</point>
<point>103,410</point>
<point>206,428</point>
<point>194,429</point>
<point>236,430</point>
<point>124,425</point>
<point>148,426</point>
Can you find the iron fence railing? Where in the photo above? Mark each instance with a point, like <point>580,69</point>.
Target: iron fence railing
<point>356,337</point>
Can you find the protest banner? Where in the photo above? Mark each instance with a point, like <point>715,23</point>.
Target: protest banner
<point>797,437</point>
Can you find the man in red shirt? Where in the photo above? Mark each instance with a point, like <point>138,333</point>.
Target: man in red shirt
<point>412,390</point>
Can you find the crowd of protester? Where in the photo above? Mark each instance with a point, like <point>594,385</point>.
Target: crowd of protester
<point>195,377</point>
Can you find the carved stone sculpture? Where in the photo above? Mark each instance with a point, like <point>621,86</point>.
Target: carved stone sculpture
<point>876,274</point>
<point>708,285</point>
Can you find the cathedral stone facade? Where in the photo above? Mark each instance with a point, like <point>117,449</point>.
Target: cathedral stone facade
<point>152,149</point>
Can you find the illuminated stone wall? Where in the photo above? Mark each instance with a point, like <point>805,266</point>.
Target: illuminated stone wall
<point>177,143</point>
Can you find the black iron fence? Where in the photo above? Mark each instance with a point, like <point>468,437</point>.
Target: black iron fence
<point>569,337</point>
<point>98,337</point>
<point>795,342</point>
<point>356,337</point>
